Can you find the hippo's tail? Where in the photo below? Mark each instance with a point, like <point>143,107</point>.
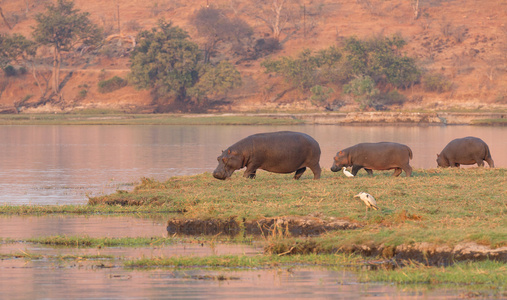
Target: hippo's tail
<point>488,154</point>
<point>409,152</point>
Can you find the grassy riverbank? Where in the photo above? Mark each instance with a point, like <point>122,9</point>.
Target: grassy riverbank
<point>439,206</point>
<point>411,240</point>
<point>113,118</point>
<point>285,118</point>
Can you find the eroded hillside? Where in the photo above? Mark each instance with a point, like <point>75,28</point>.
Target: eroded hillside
<point>465,41</point>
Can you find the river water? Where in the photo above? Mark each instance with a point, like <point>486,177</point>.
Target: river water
<point>64,164</point>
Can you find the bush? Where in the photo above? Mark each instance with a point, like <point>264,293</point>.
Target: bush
<point>363,90</point>
<point>266,46</point>
<point>10,71</point>
<point>320,94</point>
<point>82,94</point>
<point>110,85</point>
<point>386,99</point>
<point>436,83</point>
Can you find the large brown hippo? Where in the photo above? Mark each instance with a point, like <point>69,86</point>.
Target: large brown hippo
<point>465,151</point>
<point>375,156</point>
<point>277,152</point>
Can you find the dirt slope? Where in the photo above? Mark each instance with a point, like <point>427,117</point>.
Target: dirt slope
<point>464,40</point>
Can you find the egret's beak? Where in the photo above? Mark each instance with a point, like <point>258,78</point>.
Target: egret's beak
<point>356,196</point>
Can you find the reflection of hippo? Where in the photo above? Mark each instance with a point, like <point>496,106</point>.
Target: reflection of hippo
<point>278,152</point>
<point>466,151</point>
<point>375,156</point>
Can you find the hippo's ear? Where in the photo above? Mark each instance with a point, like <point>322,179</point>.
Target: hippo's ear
<point>229,151</point>
<point>438,155</point>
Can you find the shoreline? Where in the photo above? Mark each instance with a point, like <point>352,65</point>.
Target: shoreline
<point>383,118</point>
<point>315,118</point>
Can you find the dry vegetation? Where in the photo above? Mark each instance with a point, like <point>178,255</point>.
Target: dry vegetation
<point>464,42</point>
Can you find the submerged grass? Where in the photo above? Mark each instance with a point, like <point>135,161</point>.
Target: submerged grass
<point>485,274</point>
<point>245,261</point>
<point>490,273</point>
<point>77,241</point>
<point>41,210</point>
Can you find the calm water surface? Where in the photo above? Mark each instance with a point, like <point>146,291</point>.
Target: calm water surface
<point>81,281</point>
<point>64,164</point>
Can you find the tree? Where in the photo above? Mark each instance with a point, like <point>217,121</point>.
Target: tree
<point>215,27</point>
<point>17,48</point>
<point>300,72</point>
<point>171,65</point>
<point>276,14</point>
<point>363,90</point>
<point>62,27</point>
<point>166,61</point>
<point>216,80</point>
<point>380,59</point>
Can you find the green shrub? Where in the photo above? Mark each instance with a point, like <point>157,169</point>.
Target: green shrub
<point>110,85</point>
<point>320,94</point>
<point>436,83</point>
<point>391,98</point>
<point>363,91</point>
<point>10,71</point>
<point>82,94</point>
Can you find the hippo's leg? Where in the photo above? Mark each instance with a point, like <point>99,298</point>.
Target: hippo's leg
<point>299,172</point>
<point>316,171</point>
<point>250,172</point>
<point>408,170</point>
<point>480,162</point>
<point>356,169</point>
<point>490,162</point>
<point>397,172</point>
<point>453,164</point>
<point>369,171</point>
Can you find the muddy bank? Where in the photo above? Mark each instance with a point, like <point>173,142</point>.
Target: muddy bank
<point>380,118</point>
<point>292,226</point>
<point>281,226</point>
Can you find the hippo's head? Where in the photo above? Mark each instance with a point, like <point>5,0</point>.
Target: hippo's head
<point>442,161</point>
<point>340,160</point>
<point>228,162</point>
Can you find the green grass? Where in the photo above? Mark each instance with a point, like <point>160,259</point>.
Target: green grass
<point>78,241</point>
<point>490,273</point>
<point>445,207</point>
<point>101,117</point>
<point>442,206</point>
<point>245,261</point>
<point>490,122</point>
<point>42,210</point>
<point>483,274</point>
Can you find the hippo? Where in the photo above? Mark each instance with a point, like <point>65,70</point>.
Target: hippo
<point>465,151</point>
<point>277,152</point>
<point>375,156</point>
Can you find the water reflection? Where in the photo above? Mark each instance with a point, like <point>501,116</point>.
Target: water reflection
<point>43,280</point>
<point>64,164</point>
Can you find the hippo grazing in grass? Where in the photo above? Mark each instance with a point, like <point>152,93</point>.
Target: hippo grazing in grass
<point>465,151</point>
<point>277,152</point>
<point>375,156</point>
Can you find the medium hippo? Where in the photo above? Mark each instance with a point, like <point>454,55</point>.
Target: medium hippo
<point>277,152</point>
<point>375,156</point>
<point>465,151</point>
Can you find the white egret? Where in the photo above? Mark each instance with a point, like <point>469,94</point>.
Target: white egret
<point>368,200</point>
<point>347,173</point>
